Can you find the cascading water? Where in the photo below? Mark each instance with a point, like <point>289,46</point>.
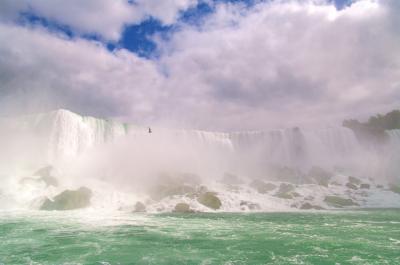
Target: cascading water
<point>63,133</point>
<point>129,156</point>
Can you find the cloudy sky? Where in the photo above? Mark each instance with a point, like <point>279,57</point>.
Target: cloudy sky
<point>207,64</point>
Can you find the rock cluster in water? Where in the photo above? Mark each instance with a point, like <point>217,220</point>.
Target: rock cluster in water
<point>186,193</point>
<point>69,200</point>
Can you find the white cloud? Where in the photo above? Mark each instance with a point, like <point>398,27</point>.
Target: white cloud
<point>275,64</point>
<point>42,71</point>
<point>167,11</point>
<point>284,63</point>
<point>106,18</point>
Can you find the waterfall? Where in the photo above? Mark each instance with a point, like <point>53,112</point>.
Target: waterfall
<point>62,133</point>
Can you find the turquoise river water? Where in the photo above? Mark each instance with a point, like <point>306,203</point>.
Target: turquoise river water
<point>337,237</point>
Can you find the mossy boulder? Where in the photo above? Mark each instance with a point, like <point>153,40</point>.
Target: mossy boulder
<point>339,202</point>
<point>210,200</point>
<point>286,196</point>
<point>354,180</point>
<point>320,176</point>
<point>262,187</point>
<point>309,206</point>
<point>365,186</point>
<point>45,171</point>
<point>286,174</point>
<point>351,186</point>
<point>46,176</point>
<point>395,188</point>
<point>140,207</point>
<point>163,191</point>
<point>309,198</point>
<point>183,208</point>
<point>249,205</point>
<point>285,188</point>
<point>69,200</point>
<point>232,188</point>
<point>230,178</point>
<point>286,191</point>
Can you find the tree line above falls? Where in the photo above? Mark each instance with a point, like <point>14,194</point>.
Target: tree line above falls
<point>374,129</point>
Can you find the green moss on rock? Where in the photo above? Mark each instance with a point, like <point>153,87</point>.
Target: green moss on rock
<point>210,200</point>
<point>339,202</point>
<point>69,200</point>
<point>140,207</point>
<point>262,187</point>
<point>320,176</point>
<point>351,186</point>
<point>365,186</point>
<point>183,208</point>
<point>163,191</point>
<point>395,188</point>
<point>46,176</point>
<point>309,206</point>
<point>354,180</point>
<point>250,205</point>
<point>286,191</point>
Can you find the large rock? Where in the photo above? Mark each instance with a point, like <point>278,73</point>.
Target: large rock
<point>231,179</point>
<point>183,208</point>
<point>309,206</point>
<point>395,188</point>
<point>286,191</point>
<point>287,174</point>
<point>320,176</point>
<point>46,176</point>
<point>163,191</point>
<point>365,186</point>
<point>69,200</point>
<point>262,187</point>
<point>140,207</point>
<point>249,205</point>
<point>210,200</point>
<point>354,180</point>
<point>351,186</point>
<point>339,202</point>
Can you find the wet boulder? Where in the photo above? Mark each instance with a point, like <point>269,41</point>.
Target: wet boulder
<point>140,207</point>
<point>394,188</point>
<point>365,186</point>
<point>262,187</point>
<point>46,176</point>
<point>320,176</point>
<point>69,200</point>
<point>309,198</point>
<point>233,188</point>
<point>286,191</point>
<point>210,200</point>
<point>163,191</point>
<point>285,188</point>
<point>231,179</point>
<point>183,208</point>
<point>339,202</point>
<point>287,174</point>
<point>354,180</point>
<point>351,186</point>
<point>249,205</point>
<point>309,206</point>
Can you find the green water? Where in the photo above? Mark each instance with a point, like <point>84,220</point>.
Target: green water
<point>356,237</point>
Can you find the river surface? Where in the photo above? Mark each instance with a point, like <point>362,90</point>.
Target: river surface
<point>91,237</point>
